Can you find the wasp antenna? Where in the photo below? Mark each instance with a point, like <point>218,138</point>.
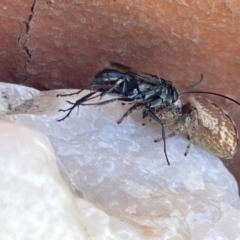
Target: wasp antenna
<point>212,93</point>
<point>192,86</point>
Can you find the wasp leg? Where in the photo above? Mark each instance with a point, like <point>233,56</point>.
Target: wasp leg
<point>65,110</point>
<point>151,114</point>
<point>79,102</point>
<point>128,100</point>
<point>104,92</point>
<point>75,93</point>
<point>85,98</point>
<point>76,104</point>
<point>69,94</point>
<point>119,81</point>
<point>128,112</point>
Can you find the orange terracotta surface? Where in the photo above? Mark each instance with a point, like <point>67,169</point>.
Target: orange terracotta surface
<point>49,44</point>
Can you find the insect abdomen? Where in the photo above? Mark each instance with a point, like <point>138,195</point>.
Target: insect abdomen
<point>216,132</point>
<point>108,76</point>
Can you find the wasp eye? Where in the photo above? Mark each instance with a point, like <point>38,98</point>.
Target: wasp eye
<point>175,95</point>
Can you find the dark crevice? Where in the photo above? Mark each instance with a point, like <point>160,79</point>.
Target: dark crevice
<point>30,17</point>
<point>23,40</point>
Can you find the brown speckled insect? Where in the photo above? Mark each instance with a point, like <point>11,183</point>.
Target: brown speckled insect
<point>207,125</point>
<point>204,122</point>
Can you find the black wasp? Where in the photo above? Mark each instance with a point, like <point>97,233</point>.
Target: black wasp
<point>145,90</point>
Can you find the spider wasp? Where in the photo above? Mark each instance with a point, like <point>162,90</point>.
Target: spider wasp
<point>130,86</point>
<point>157,97</point>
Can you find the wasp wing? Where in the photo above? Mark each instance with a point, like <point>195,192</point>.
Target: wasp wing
<point>146,77</point>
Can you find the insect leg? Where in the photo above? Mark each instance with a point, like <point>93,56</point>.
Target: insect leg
<point>186,122</point>
<point>85,98</point>
<point>76,104</point>
<point>69,94</point>
<point>128,100</point>
<point>119,81</point>
<point>129,111</point>
<point>151,114</point>
<point>192,130</point>
<point>75,93</point>
<point>168,136</point>
<point>65,110</point>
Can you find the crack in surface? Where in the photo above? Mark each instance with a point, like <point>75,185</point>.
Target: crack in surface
<point>22,40</point>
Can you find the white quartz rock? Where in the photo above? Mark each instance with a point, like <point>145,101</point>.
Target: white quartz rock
<point>119,169</point>
<point>12,95</point>
<point>35,202</point>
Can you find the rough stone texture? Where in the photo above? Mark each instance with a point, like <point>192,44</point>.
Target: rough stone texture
<point>66,40</point>
<point>34,197</point>
<point>116,167</point>
<point>51,44</point>
<point>35,201</point>
<point>13,31</point>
